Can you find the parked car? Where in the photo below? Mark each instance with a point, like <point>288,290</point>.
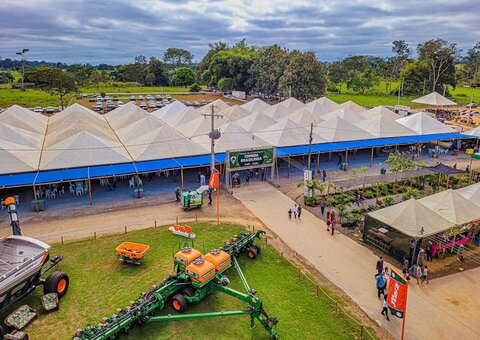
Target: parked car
<point>92,98</point>
<point>110,105</point>
<point>159,104</point>
<point>99,98</point>
<point>168,97</point>
<point>98,107</point>
<point>38,109</point>
<point>50,110</point>
<point>143,105</point>
<point>106,98</point>
<point>140,97</point>
<point>119,103</point>
<point>158,97</point>
<point>151,104</point>
<point>149,97</point>
<point>132,98</point>
<point>84,95</point>
<point>472,105</point>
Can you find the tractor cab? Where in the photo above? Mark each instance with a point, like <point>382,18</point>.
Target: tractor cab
<point>200,272</point>
<point>219,258</point>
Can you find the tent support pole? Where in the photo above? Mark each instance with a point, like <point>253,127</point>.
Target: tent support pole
<point>471,158</point>
<point>35,198</point>
<point>181,175</point>
<point>371,158</point>
<point>90,191</point>
<point>288,171</point>
<point>318,160</point>
<point>346,161</point>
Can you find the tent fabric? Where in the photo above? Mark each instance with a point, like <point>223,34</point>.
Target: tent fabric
<point>382,126</point>
<point>183,116</point>
<point>196,127</point>
<point>435,99</point>
<point>412,218</point>
<point>54,176</point>
<point>287,133</point>
<point>218,105</point>
<point>345,114</point>
<point>18,158</point>
<point>255,122</point>
<point>125,115</point>
<point>423,124</point>
<point>380,110</point>
<point>24,119</point>
<point>17,180</point>
<point>20,136</point>
<point>303,117</point>
<point>322,105</point>
<point>256,105</point>
<point>443,169</point>
<point>292,104</point>
<point>452,206</point>
<point>473,132</point>
<point>234,113</point>
<point>471,193</point>
<point>111,170</point>
<point>169,109</point>
<point>351,106</point>
<point>278,111</point>
<point>157,165</point>
<point>337,129</point>
<point>476,155</point>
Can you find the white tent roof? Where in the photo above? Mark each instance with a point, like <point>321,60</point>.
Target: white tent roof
<point>196,127</point>
<point>292,104</point>
<point>452,206</point>
<point>25,119</point>
<point>18,158</point>
<point>303,117</point>
<point>234,113</point>
<point>20,136</point>
<point>382,126</point>
<point>354,107</point>
<point>181,117</point>
<point>423,124</point>
<point>83,149</point>
<point>435,99</point>
<point>473,132</point>
<point>337,129</point>
<point>255,122</point>
<point>287,133</point>
<point>125,115</point>
<point>131,132</point>
<point>169,109</point>
<point>74,111</point>
<point>380,110</point>
<point>278,112</point>
<point>471,193</point>
<point>345,114</point>
<point>219,105</point>
<point>233,138</point>
<point>322,105</point>
<point>412,218</point>
<point>256,105</point>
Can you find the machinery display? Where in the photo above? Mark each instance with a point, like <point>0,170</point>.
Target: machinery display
<point>129,252</point>
<point>23,261</point>
<point>195,276</point>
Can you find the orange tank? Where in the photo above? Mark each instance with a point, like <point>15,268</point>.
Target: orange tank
<point>185,256</point>
<point>220,259</point>
<point>200,270</point>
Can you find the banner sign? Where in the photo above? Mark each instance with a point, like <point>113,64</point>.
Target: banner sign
<point>250,158</point>
<point>397,294</point>
<point>214,181</point>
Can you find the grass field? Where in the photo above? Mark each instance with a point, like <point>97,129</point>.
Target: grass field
<point>100,284</point>
<point>132,89</point>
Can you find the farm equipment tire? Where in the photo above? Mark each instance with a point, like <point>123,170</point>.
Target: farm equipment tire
<point>56,282</point>
<point>257,248</point>
<point>252,253</point>
<point>179,303</point>
<point>188,291</point>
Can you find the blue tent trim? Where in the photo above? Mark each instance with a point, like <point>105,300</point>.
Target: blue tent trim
<point>63,175</point>
<point>110,170</point>
<point>162,164</point>
<point>17,180</point>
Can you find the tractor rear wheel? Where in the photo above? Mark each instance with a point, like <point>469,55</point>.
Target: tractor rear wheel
<point>257,248</point>
<point>252,253</point>
<point>188,291</point>
<point>179,303</point>
<point>56,282</point>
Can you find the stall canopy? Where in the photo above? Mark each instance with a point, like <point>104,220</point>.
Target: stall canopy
<point>383,126</point>
<point>338,129</point>
<point>322,105</point>
<point>285,133</point>
<point>412,218</point>
<point>125,115</point>
<point>169,109</point>
<point>196,127</point>
<point>380,110</point>
<point>434,99</point>
<point>292,104</point>
<point>234,113</point>
<point>256,105</point>
<point>471,193</point>
<point>354,107</point>
<point>345,114</point>
<point>218,106</point>
<point>256,121</point>
<point>278,111</point>
<point>423,124</point>
<point>24,119</point>
<point>304,117</point>
<point>183,116</point>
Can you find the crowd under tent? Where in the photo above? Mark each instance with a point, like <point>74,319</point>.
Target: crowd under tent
<point>234,113</point>
<point>382,126</point>
<point>380,110</point>
<point>277,112</point>
<point>169,109</point>
<point>305,118</point>
<point>345,114</point>
<point>424,124</point>
<point>198,126</point>
<point>218,106</point>
<point>434,99</point>
<point>322,105</point>
<point>256,122</point>
<point>337,129</point>
<point>292,104</point>
<point>287,133</point>
<point>125,115</point>
<point>351,106</point>
<point>25,119</point>
<point>256,105</point>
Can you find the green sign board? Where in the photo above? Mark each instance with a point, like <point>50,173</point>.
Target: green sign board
<point>250,158</point>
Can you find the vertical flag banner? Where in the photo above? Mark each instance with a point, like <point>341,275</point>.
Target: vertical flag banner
<point>397,294</point>
<point>213,183</point>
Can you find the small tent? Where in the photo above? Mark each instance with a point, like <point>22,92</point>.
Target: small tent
<point>287,133</point>
<point>322,105</point>
<point>434,99</point>
<point>303,117</point>
<point>423,124</point>
<point>292,104</point>
<point>471,193</point>
<point>278,112</point>
<point>183,116</point>
<point>475,132</point>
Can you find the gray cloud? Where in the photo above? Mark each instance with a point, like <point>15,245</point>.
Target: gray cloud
<point>116,31</point>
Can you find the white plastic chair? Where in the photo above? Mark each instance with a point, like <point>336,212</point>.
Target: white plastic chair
<point>131,183</point>
<point>48,194</point>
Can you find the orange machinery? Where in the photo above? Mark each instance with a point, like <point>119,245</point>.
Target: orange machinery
<point>130,252</point>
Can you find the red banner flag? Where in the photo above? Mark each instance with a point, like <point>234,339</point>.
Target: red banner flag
<point>214,180</point>
<point>397,294</point>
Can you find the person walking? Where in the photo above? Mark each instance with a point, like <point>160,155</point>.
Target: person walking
<point>333,223</point>
<point>429,251</point>
<point>380,286</point>
<point>324,175</point>
<point>322,206</point>
<point>425,275</point>
<point>418,274</point>
<point>385,307</point>
<point>379,266</point>
<point>177,193</point>
<point>210,197</point>
<point>247,180</point>
<point>299,211</point>
<point>295,211</point>
<point>405,265</point>
<point>289,214</point>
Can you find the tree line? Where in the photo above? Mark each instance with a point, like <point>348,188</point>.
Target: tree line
<point>275,70</point>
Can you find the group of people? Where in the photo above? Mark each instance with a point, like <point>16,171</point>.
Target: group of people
<point>296,212</point>
<point>418,270</point>
<point>381,281</point>
<point>321,174</point>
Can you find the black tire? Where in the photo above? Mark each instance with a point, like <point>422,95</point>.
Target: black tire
<point>252,253</point>
<point>257,248</point>
<point>56,282</point>
<point>179,303</point>
<point>188,291</point>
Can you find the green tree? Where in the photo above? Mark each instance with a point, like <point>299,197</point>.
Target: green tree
<point>97,77</point>
<point>81,73</point>
<point>416,74</point>
<point>226,85</point>
<point>472,65</point>
<point>402,51</point>
<point>399,162</point>
<point>183,76</point>
<point>203,75</point>
<point>150,79</point>
<point>304,74</point>
<point>440,56</point>
<point>6,77</point>
<point>195,87</point>
<point>267,68</point>
<point>177,57</point>
<point>363,81</point>
<point>336,74</point>
<point>52,80</point>
<point>160,70</point>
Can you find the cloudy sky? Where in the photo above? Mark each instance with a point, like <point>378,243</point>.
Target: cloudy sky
<point>116,31</point>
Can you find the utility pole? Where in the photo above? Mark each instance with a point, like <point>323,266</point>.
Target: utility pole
<point>310,147</point>
<point>22,54</point>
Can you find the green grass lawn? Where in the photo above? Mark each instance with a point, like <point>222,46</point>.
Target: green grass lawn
<point>28,98</point>
<point>100,284</point>
<point>131,89</point>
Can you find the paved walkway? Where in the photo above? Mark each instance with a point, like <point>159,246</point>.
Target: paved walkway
<point>442,310</point>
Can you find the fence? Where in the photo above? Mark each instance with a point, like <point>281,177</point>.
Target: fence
<point>363,331</point>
